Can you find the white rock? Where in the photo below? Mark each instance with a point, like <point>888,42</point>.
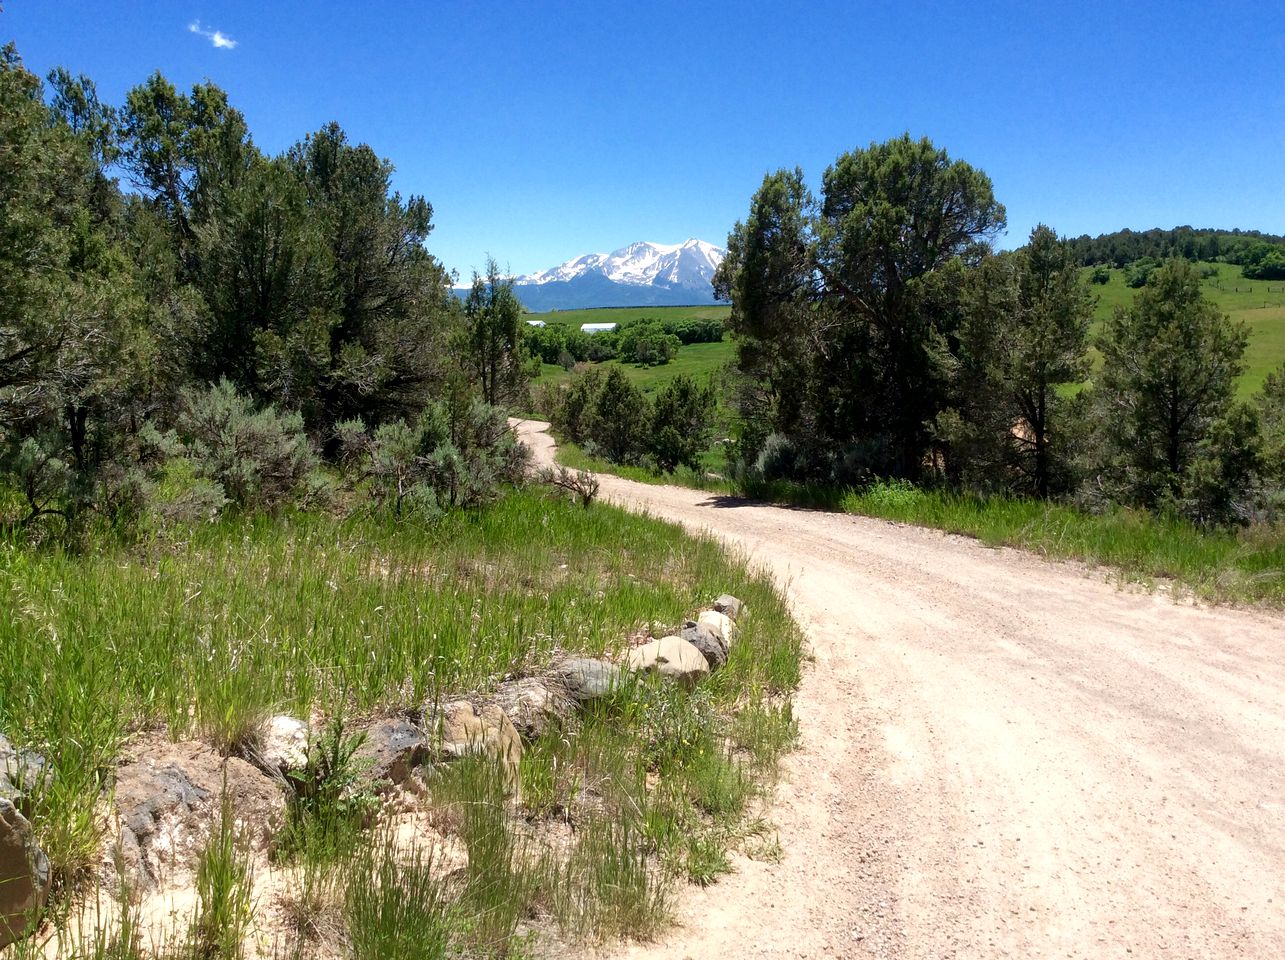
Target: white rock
<point>720,622</point>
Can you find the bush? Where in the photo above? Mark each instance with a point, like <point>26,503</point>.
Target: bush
<point>647,343</point>
<point>1139,272</point>
<point>260,459</point>
<point>457,454</point>
<point>681,419</point>
<point>1100,275</point>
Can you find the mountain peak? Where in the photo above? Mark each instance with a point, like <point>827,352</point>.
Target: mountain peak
<point>642,273</point>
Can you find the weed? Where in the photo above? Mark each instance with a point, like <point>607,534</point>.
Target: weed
<point>331,799</point>
<point>225,894</point>
<point>395,906</point>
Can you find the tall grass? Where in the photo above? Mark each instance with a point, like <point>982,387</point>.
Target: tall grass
<point>1213,564</point>
<point>207,632</point>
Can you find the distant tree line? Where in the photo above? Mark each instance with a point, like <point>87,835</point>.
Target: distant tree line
<point>610,417</point>
<point>1262,255</point>
<point>647,341</point>
<point>879,335</point>
<point>226,320</point>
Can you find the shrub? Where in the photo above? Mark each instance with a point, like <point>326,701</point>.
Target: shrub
<point>681,419</point>
<point>1100,275</point>
<point>457,454</point>
<point>260,458</point>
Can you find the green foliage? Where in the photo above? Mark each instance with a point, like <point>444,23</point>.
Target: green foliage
<point>1139,272</point>
<point>611,417</point>
<point>396,905</point>
<point>1169,366</point>
<point>842,305</point>
<point>225,892</point>
<point>457,454</point>
<point>681,420</point>
<point>647,344</point>
<point>493,346</point>
<point>331,799</point>
<point>259,458</point>
<point>1024,335</point>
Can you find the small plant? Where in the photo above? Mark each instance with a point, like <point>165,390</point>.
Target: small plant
<point>396,907</point>
<point>500,878</point>
<point>331,800</point>
<point>608,888</point>
<point>706,859</point>
<point>580,484</point>
<point>225,892</point>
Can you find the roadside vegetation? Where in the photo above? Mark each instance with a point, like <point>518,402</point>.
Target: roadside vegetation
<point>254,460</point>
<point>206,632</point>
<point>1122,396</point>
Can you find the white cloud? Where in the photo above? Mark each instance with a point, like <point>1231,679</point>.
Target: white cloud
<point>220,39</point>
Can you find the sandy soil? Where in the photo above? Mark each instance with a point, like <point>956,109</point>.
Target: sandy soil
<point>1000,757</point>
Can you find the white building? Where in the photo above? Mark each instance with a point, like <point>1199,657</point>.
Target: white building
<point>597,327</point>
<point>535,323</point>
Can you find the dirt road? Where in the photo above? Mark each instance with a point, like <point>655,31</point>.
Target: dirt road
<point>1000,757</point>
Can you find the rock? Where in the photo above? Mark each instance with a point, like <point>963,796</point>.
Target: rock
<point>534,704</point>
<point>707,640</point>
<point>729,606</point>
<point>168,800</point>
<point>721,622</point>
<point>24,875</point>
<point>21,771</point>
<point>459,729</point>
<point>392,751</point>
<point>284,747</point>
<point>587,678</point>
<point>670,657</point>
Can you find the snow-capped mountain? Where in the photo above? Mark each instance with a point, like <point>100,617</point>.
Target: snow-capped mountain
<point>641,274</point>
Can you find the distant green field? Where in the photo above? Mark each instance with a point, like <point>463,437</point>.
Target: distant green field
<point>623,314</point>
<point>698,361</point>
<point>1259,303</point>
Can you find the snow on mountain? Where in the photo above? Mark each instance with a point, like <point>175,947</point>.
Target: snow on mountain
<point>684,264</point>
<point>641,274</point>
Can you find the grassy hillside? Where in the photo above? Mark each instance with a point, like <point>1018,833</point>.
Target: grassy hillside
<point>1259,303</point>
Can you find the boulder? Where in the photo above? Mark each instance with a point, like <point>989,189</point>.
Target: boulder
<point>707,640</point>
<point>670,657</point>
<point>459,729</point>
<point>391,752</point>
<point>729,606</point>
<point>534,704</point>
<point>720,622</point>
<point>168,800</point>
<point>284,747</point>
<point>24,875</point>
<point>587,678</point>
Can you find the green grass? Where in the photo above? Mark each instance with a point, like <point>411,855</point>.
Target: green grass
<point>626,314</point>
<point>1216,565</point>
<point>203,632</point>
<point>1259,303</point>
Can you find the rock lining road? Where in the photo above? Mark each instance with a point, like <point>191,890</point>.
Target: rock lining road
<point>1000,756</point>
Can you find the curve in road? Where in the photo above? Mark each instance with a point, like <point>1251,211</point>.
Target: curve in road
<point>1000,756</point>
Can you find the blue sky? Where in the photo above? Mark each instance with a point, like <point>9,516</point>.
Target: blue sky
<point>543,130</point>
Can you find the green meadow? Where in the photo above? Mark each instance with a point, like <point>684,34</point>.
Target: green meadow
<point>1259,303</point>
<point>698,360</point>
